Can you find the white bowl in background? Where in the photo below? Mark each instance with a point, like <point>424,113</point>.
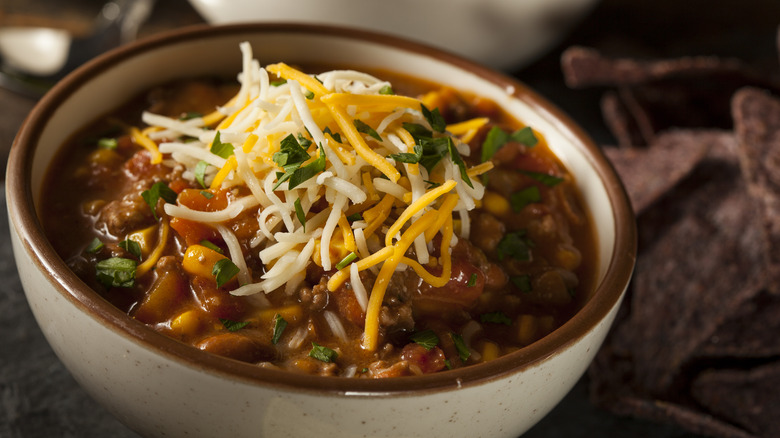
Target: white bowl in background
<point>502,34</point>
<point>161,387</point>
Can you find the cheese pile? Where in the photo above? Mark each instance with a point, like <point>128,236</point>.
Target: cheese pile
<point>355,134</point>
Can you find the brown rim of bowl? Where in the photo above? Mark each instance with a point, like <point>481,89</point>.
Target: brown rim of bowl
<point>26,223</point>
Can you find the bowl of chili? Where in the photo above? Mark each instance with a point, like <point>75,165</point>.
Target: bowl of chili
<point>294,228</point>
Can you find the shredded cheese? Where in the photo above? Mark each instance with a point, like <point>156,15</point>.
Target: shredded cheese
<point>277,132</point>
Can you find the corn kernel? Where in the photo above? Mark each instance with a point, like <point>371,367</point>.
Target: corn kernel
<point>186,324</point>
<point>489,351</point>
<point>495,204</point>
<point>291,313</point>
<point>526,329</point>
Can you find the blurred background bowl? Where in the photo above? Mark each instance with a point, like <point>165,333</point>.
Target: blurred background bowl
<point>502,34</point>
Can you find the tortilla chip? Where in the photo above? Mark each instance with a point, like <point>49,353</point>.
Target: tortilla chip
<point>757,124</point>
<point>587,67</point>
<point>649,173</point>
<point>749,398</point>
<point>700,257</point>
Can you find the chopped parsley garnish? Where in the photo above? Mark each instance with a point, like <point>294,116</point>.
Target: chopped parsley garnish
<point>206,194</point>
<point>218,148</point>
<point>324,354</point>
<point>233,326</point>
<point>211,246</point>
<point>529,195</point>
<point>354,217</point>
<point>362,127</point>
<point>200,173</point>
<point>190,115</point>
<point>544,178</point>
<point>278,82</point>
<point>223,271</point>
<point>429,150</point>
<point>495,318</point>
<point>497,138</point>
<point>108,143</point>
<point>336,136</point>
<point>522,282</point>
<point>432,184</point>
<point>472,280</point>
<point>434,118</point>
<point>279,325</point>
<point>116,272</point>
<point>308,94</point>
<point>426,338</point>
<point>515,245</point>
<point>291,157</point>
<point>157,191</point>
<point>346,261</point>
<point>132,247</point>
<point>386,90</point>
<point>303,141</point>
<point>463,351</point>
<point>95,246</point>
<point>300,214</point>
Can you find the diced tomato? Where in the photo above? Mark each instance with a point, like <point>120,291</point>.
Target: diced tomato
<point>464,288</point>
<point>178,185</point>
<point>194,232</point>
<point>348,306</point>
<point>215,301</point>
<point>429,361</point>
<point>196,200</point>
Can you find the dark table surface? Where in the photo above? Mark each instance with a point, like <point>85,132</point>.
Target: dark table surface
<point>38,398</point>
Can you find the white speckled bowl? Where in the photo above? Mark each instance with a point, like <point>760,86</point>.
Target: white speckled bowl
<point>160,387</point>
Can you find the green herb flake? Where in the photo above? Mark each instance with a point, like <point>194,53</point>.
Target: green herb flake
<point>495,318</point>
<point>346,261</point>
<point>432,184</point>
<point>157,191</point>
<point>190,115</point>
<point>494,140</point>
<point>308,94</point>
<point>426,338</point>
<point>233,326</point>
<point>448,364</point>
<point>407,157</point>
<point>278,82</point>
<point>336,136</point>
<point>300,214</point>
<point>362,127</point>
<point>290,158</point>
<point>525,136</point>
<point>108,143</point>
<point>354,217</point>
<point>460,345</point>
<point>472,280</point>
<point>544,178</point>
<point>224,150</point>
<point>206,194</point>
<point>132,247</point>
<point>279,325</point>
<point>324,354</point>
<point>456,158</point>
<point>386,90</point>
<point>522,282</point>
<point>211,246</point>
<point>223,271</point>
<point>200,173</point>
<point>434,118</point>
<point>529,195</point>
<point>116,272</point>
<point>95,246</point>
<point>515,245</point>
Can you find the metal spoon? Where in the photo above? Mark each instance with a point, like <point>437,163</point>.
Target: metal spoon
<point>33,59</point>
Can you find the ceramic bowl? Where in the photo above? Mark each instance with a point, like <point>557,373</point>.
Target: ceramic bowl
<point>502,34</point>
<point>160,387</point>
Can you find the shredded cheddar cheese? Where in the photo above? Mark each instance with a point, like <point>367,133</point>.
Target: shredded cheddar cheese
<point>333,138</point>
